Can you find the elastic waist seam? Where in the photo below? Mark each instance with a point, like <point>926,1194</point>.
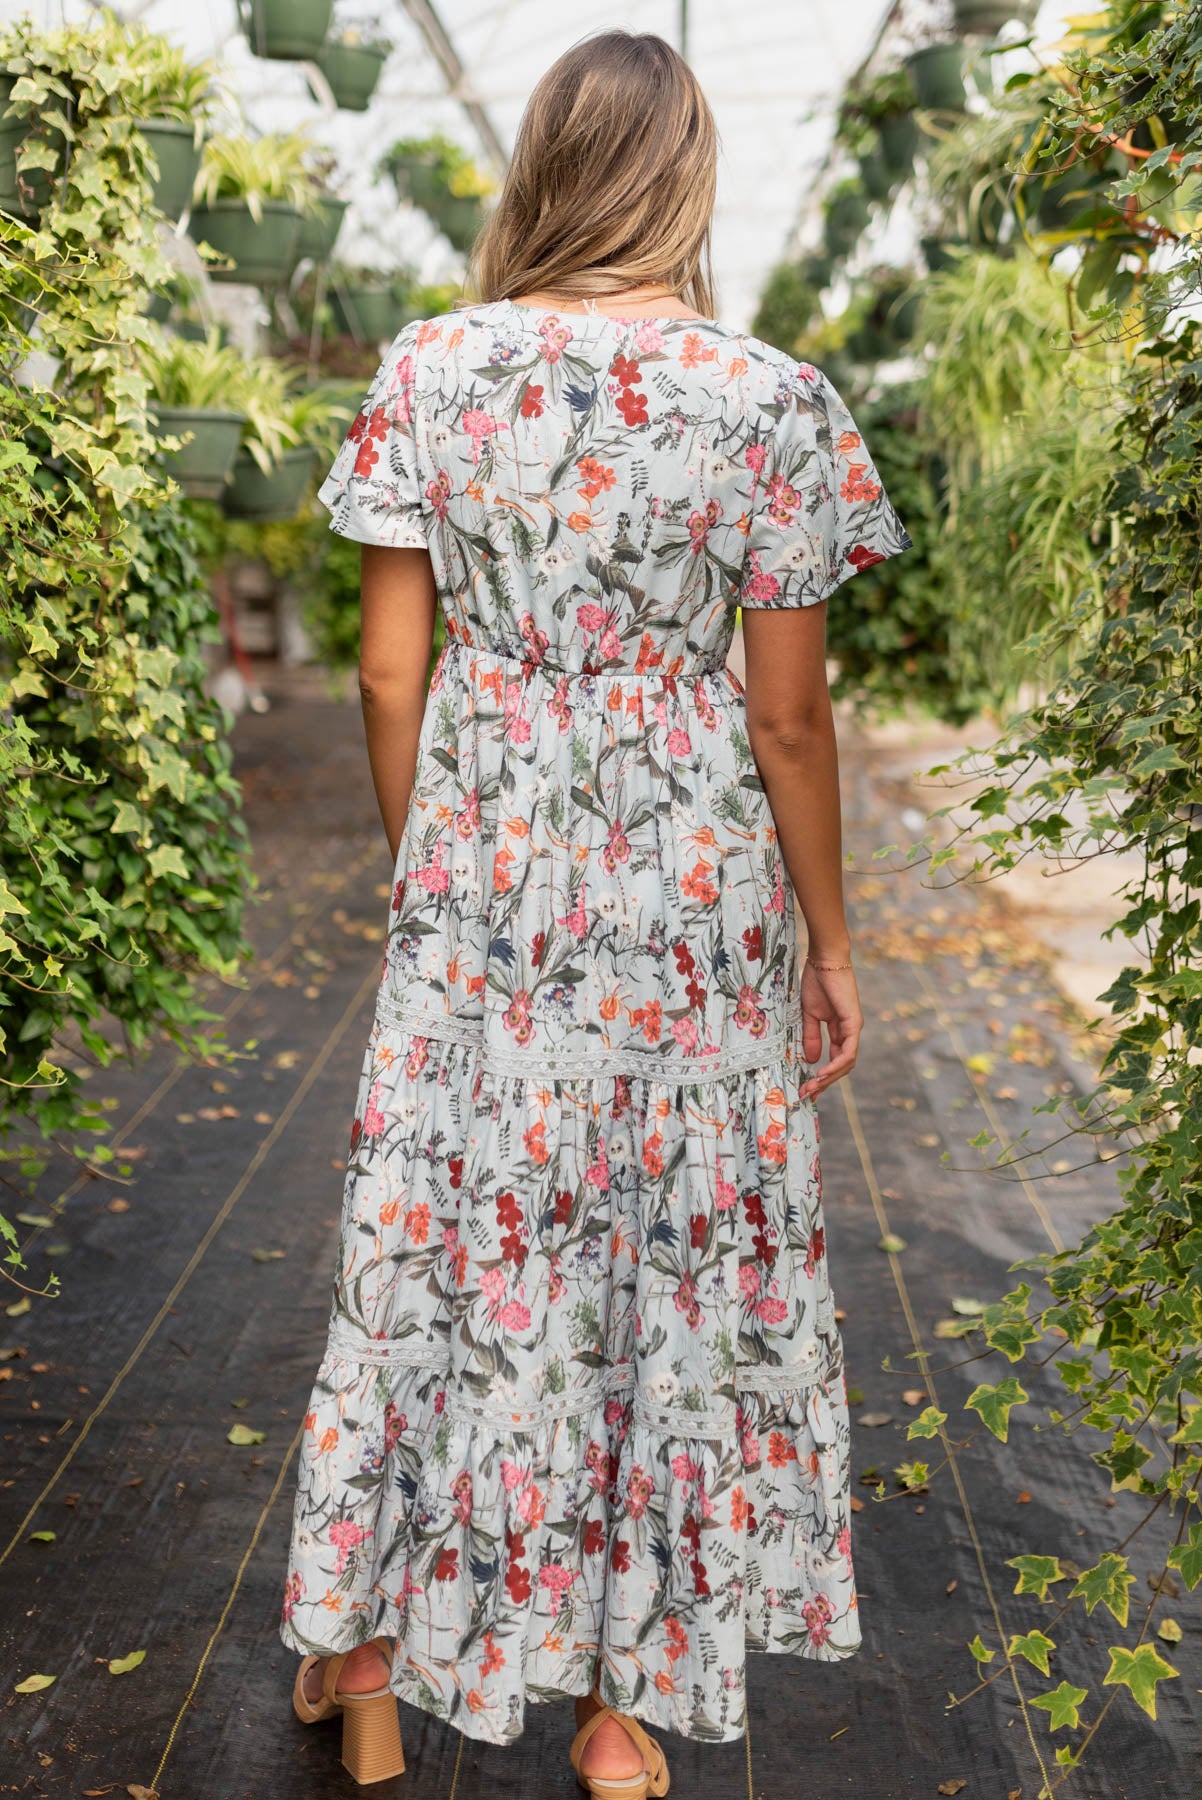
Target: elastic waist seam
<point>528,665</point>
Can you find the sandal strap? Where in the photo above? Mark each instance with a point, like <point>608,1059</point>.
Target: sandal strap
<point>653,1757</point>
<point>334,1666</point>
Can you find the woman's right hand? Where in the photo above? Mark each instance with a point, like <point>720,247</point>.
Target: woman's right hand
<point>829,997</point>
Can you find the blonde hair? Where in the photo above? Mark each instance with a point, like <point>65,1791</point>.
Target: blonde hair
<point>612,180</point>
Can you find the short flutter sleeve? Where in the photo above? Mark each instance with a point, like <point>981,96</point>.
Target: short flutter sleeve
<point>819,511</point>
<point>373,489</point>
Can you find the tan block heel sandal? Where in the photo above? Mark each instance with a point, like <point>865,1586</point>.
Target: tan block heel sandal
<point>371,1726</point>
<point>652,1781</point>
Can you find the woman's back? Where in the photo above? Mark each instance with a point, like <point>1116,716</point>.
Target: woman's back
<point>590,879</point>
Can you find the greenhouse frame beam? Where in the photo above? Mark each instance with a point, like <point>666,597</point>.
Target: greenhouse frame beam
<point>441,46</point>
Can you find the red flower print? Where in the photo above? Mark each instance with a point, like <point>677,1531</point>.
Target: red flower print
<point>753,943</point>
<point>447,1566</point>
<point>595,477</point>
<point>863,558</point>
<point>697,1229</point>
<point>377,425</point>
<point>538,945</point>
<point>517,1583</point>
<point>619,1556</point>
<point>455,1168</point>
<point>532,402</point>
<point>513,1249</point>
<point>509,1213</point>
<point>367,458</point>
<point>358,427</point>
<point>625,370</point>
<point>753,1206</point>
<point>780,1451</point>
<point>684,957</point>
<point>633,407</point>
<point>594,1538</point>
<point>700,1585</point>
<point>356,1134</point>
<point>563,1206</point>
<point>398,895</point>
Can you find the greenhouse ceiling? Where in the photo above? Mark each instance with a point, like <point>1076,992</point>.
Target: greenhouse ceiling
<point>773,73</point>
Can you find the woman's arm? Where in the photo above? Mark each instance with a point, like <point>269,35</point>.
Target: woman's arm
<point>791,730</point>
<point>398,599</point>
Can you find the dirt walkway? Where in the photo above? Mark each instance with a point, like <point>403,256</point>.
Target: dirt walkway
<point>195,1297</point>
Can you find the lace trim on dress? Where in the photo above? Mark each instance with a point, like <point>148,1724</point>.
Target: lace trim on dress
<point>774,1046</point>
<point>803,1376</point>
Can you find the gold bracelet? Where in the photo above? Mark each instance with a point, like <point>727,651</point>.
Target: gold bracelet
<point>827,968</point>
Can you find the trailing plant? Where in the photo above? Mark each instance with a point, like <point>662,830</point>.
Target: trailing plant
<point>1110,763</point>
<point>162,83</point>
<point>122,855</point>
<point>448,163</point>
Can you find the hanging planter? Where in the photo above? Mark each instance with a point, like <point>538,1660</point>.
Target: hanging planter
<point>366,311</point>
<point>353,71</point>
<point>286,30</point>
<point>899,140</point>
<point>177,153</point>
<point>319,230</point>
<point>985,18</point>
<point>274,494</point>
<point>263,250</point>
<point>874,172</point>
<point>460,217</point>
<point>846,217</point>
<point>937,71</point>
<point>204,464</point>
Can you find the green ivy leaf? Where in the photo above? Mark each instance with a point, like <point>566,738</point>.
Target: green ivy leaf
<point>1187,1557</point>
<point>1062,1705</point>
<point>994,1402</point>
<point>1138,1670</point>
<point>979,1650</point>
<point>1035,1647</point>
<point>1035,1574</point>
<point>927,1424</point>
<point>1107,1582</point>
<point>33,1684</point>
<point>121,1665</point>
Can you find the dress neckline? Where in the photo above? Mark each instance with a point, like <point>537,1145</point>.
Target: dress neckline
<point>625,320</point>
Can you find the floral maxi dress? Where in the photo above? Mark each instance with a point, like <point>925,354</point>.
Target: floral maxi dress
<point>583,1396</point>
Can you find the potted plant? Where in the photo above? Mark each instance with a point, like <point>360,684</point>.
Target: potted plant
<point>367,303</point>
<point>32,152</point>
<point>985,18</point>
<point>319,229</point>
<point>938,75</point>
<point>287,30</point>
<point>352,61</point>
<point>250,199</point>
<point>846,217</point>
<point>198,397</point>
<point>437,175</point>
<point>884,105</point>
<point>271,477</point>
<point>169,100</point>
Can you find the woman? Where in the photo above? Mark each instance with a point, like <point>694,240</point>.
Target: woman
<point>581,1424</point>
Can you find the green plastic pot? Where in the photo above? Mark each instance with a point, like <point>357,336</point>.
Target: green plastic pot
<point>202,466</point>
<point>253,495</point>
<point>899,141</point>
<point>846,217</point>
<point>418,179</point>
<point>459,217</point>
<point>286,30</point>
<point>319,230</point>
<point>263,252</point>
<point>177,153</point>
<point>366,313</point>
<point>874,174</point>
<point>937,72</point>
<point>353,72</point>
<point>985,18</point>
<point>901,315</point>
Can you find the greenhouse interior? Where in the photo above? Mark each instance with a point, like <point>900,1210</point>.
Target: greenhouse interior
<point>980,220</point>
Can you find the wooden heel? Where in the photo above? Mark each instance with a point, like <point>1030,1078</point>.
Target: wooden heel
<point>371,1737</point>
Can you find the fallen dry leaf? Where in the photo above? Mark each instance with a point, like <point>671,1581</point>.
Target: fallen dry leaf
<point>953,1786</point>
<point>262,1256</point>
<point>138,1792</point>
<point>856,1504</point>
<point>118,1205</point>
<point>285,1059</point>
<point>952,1585</point>
<point>264,1119</point>
<point>914,1396</point>
<point>1022,1499</point>
<point>903,1102</point>
<point>872,1419</point>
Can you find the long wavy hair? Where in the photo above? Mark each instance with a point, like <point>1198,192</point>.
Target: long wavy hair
<point>612,180</point>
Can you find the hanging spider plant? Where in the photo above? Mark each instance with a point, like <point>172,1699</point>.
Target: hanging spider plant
<point>276,167</point>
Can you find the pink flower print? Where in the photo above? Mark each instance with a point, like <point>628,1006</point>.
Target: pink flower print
<point>555,1578</point>
<point>818,1614</point>
<point>478,424</point>
<point>687,1302</point>
<point>685,1033</point>
<point>558,706</point>
<point>610,645</point>
<point>467,819</point>
<point>844,1546</point>
<point>684,1468</point>
<point>461,1488</point>
<point>434,878</point>
<point>616,848</point>
<point>577,920</point>
<point>395,1426</point>
<point>783,499</point>
<point>639,1489</point>
<point>750,1447</point>
<point>556,338</point>
<point>294,1592</point>
<point>517,725</point>
<point>648,339</point>
<point>346,1536</point>
<point>511,1475</point>
<point>492,1286</point>
<point>679,741</point>
<point>749,1281</point>
<point>515,1317</point>
<point>755,456</point>
<point>771,1311</point>
<point>748,1014</point>
<point>374,1121</point>
<point>597,1174</point>
<point>438,493</point>
<point>516,1017</point>
<point>591,617</point>
<point>777,903</point>
<point>725,1195</point>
